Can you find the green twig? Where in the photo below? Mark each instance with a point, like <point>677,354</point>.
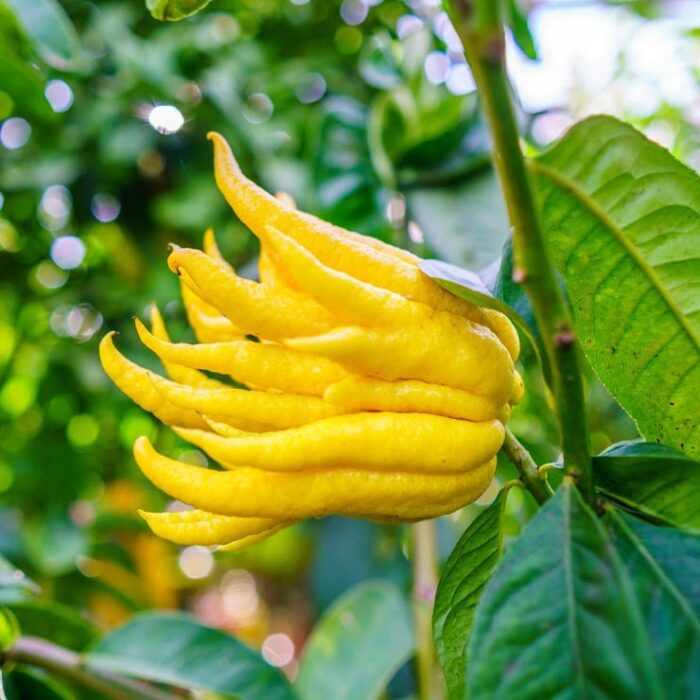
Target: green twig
<point>69,665</point>
<point>425,571</point>
<point>479,25</point>
<point>526,466</point>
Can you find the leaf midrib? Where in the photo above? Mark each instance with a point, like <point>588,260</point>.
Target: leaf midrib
<point>589,203</point>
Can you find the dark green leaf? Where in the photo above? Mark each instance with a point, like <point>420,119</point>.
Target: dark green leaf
<point>50,29</point>
<point>622,220</point>
<point>654,479</point>
<point>25,86</point>
<point>517,21</point>
<point>26,683</point>
<point>462,580</point>
<point>14,584</point>
<point>664,566</point>
<point>174,10</point>
<point>558,618</point>
<point>357,645</point>
<point>61,624</point>
<point>176,649</point>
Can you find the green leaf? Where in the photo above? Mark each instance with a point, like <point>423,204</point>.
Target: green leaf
<point>175,649</point>
<point>358,645</point>
<point>51,31</point>
<point>664,566</point>
<point>654,479</point>
<point>26,682</point>
<point>623,222</point>
<point>60,623</point>
<point>25,85</point>
<point>463,578</point>
<point>174,10</point>
<point>466,223</point>
<point>558,618</point>
<point>14,584</point>
<point>9,629</point>
<point>516,20</point>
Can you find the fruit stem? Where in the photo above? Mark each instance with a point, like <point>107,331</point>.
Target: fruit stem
<point>425,578</point>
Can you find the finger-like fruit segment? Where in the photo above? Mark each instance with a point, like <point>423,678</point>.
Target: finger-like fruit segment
<point>243,542</point>
<point>274,410</point>
<point>200,527</point>
<point>135,383</point>
<point>449,351</point>
<point>252,307</point>
<point>260,364</point>
<point>250,492</point>
<point>361,257</point>
<point>373,441</point>
<point>356,393</point>
<point>207,323</point>
<point>347,298</point>
<point>176,372</point>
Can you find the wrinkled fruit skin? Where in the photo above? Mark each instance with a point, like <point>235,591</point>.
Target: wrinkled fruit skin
<point>369,392</point>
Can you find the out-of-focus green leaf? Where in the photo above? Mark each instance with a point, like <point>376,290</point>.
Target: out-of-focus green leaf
<point>51,31</point>
<point>466,223</point>
<point>177,650</point>
<point>358,645</point>
<point>61,624</point>
<point>26,683</point>
<point>559,615</point>
<point>664,567</point>
<point>622,220</point>
<point>463,578</point>
<point>52,544</point>
<point>24,84</point>
<point>654,479</point>
<point>14,584</point>
<point>174,10</point>
<point>517,22</point>
<point>9,629</point>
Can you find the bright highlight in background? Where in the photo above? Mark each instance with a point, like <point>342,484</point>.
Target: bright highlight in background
<point>59,95</point>
<point>166,119</point>
<point>67,252</point>
<point>15,132</point>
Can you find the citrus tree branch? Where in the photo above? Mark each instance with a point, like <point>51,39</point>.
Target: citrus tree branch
<point>526,466</point>
<point>479,25</point>
<point>69,665</point>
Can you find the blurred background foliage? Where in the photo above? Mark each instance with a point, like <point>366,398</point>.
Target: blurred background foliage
<point>365,113</point>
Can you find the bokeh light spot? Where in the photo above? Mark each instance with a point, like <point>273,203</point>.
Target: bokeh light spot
<point>278,650</point>
<point>59,95</point>
<point>166,119</point>
<point>15,132</point>
<point>196,562</point>
<point>105,208</point>
<point>83,430</point>
<point>68,252</point>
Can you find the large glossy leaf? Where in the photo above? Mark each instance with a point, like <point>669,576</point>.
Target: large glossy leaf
<point>51,31</point>
<point>664,566</point>
<point>176,649</point>
<point>558,619</point>
<point>357,645</point>
<point>622,218</point>
<point>463,578</point>
<point>654,479</point>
